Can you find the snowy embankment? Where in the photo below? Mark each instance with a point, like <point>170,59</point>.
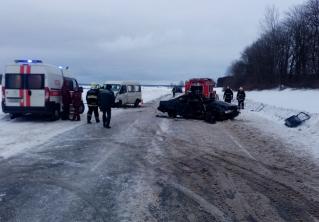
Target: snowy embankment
<point>268,109</point>
<point>21,134</point>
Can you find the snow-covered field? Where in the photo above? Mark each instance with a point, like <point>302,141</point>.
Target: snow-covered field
<point>22,133</point>
<point>267,110</point>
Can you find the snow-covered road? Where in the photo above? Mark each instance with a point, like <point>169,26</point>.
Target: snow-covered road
<point>21,134</point>
<point>266,110</point>
<point>147,168</point>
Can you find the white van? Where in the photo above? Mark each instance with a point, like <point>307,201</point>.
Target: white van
<point>127,93</point>
<point>32,87</point>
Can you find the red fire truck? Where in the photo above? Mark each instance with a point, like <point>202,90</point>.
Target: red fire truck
<point>201,86</point>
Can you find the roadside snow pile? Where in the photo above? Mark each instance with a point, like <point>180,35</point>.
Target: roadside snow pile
<point>275,106</point>
<point>21,134</point>
<point>151,93</point>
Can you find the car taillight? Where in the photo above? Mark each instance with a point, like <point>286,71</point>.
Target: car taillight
<point>47,94</point>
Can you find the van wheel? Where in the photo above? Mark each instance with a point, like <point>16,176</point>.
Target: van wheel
<point>55,115</point>
<point>137,102</point>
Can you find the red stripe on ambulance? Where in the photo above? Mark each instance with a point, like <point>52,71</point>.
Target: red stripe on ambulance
<point>21,91</point>
<point>28,97</point>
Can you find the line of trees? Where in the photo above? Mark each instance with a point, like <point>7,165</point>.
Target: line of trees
<point>286,53</point>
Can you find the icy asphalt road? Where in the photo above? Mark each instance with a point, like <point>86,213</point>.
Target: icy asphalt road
<point>148,168</point>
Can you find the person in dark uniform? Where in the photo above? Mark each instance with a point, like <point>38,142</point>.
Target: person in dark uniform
<point>92,101</point>
<point>106,101</point>
<point>174,91</point>
<point>241,95</point>
<point>76,101</point>
<point>228,95</point>
<point>66,101</point>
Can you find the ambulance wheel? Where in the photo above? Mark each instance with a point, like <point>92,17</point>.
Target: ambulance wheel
<point>55,115</point>
<point>137,102</point>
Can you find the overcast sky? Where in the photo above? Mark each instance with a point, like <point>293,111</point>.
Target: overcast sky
<point>146,40</point>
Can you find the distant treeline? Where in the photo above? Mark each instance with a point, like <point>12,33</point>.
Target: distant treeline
<point>286,53</point>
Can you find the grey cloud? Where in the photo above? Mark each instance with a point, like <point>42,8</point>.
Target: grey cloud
<point>122,39</point>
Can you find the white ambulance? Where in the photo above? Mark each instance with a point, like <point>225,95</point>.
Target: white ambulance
<point>32,87</point>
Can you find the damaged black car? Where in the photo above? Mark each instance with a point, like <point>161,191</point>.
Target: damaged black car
<point>197,107</point>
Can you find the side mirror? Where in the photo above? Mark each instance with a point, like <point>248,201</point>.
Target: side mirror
<point>81,89</point>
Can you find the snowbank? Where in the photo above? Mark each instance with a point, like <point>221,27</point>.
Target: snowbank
<point>21,134</point>
<point>303,100</point>
<point>151,93</point>
<point>268,109</point>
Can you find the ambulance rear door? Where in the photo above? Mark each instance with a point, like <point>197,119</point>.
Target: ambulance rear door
<point>14,89</point>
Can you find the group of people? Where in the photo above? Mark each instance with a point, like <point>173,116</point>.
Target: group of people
<point>241,96</point>
<point>96,98</point>
<point>67,100</point>
<point>102,98</point>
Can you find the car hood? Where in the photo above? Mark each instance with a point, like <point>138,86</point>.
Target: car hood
<point>223,105</point>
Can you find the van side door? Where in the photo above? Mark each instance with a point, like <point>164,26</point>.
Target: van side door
<point>131,94</point>
<point>35,90</point>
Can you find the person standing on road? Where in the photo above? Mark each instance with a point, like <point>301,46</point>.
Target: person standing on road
<point>228,95</point>
<point>77,102</point>
<point>106,101</point>
<point>92,101</point>
<point>241,95</point>
<point>66,101</point>
<point>174,91</point>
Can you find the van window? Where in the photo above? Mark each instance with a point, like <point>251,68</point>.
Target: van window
<point>35,81</point>
<point>130,88</point>
<point>14,81</point>
<point>137,88</point>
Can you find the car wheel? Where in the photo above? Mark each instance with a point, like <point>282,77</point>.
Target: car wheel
<point>210,118</point>
<point>172,114</point>
<point>13,116</point>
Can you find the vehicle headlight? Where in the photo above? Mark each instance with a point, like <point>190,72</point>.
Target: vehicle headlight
<point>228,111</point>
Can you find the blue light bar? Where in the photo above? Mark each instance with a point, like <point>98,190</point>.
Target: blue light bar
<point>28,61</point>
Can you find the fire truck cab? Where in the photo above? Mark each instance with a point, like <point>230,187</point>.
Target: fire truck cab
<point>32,87</point>
<point>202,87</point>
